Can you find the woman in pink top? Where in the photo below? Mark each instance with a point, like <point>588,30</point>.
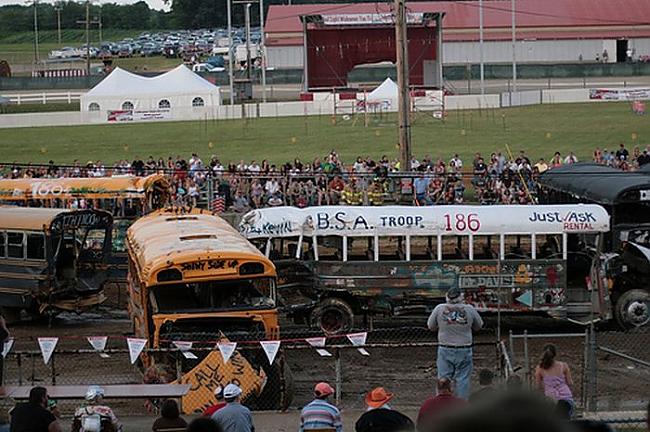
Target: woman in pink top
<point>554,377</point>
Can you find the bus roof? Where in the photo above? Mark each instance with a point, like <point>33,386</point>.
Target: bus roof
<point>424,221</point>
<point>169,238</point>
<point>37,218</point>
<point>77,187</point>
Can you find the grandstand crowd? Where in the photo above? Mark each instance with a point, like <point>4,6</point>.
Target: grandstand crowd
<point>495,179</point>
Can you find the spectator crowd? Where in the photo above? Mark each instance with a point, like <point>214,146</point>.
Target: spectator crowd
<point>496,179</point>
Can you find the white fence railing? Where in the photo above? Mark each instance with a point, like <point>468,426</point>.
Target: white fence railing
<point>44,98</point>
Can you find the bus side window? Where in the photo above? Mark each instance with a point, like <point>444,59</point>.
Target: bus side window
<point>424,248</point>
<point>486,247</point>
<point>548,246</point>
<point>3,245</point>
<point>360,249</point>
<point>455,247</point>
<point>35,246</point>
<point>518,246</point>
<point>330,248</point>
<point>392,249</point>
<point>16,245</point>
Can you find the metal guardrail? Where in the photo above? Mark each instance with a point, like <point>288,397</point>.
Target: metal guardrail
<point>44,98</point>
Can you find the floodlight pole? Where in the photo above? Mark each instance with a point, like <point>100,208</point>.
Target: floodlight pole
<point>262,51</point>
<point>514,46</point>
<point>247,18</point>
<point>88,37</point>
<point>230,54</point>
<point>403,83</point>
<point>57,8</point>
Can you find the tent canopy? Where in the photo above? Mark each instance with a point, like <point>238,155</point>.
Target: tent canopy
<point>179,86</point>
<point>387,90</point>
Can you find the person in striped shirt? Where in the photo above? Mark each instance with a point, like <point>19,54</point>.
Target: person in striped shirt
<point>319,413</point>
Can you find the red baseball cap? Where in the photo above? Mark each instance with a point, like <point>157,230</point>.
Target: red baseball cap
<point>323,389</point>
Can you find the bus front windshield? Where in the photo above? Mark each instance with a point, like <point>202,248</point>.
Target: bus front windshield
<point>210,296</point>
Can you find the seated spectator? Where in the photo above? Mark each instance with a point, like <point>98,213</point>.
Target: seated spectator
<point>541,165</point>
<point>421,189</point>
<point>442,402</point>
<point>380,417</point>
<point>486,389</point>
<point>169,417</point>
<point>203,424</point>
<point>335,187</point>
<point>221,402</point>
<point>234,417</point>
<point>94,415</point>
<point>556,161</point>
<point>240,203</point>
<point>320,413</point>
<point>33,415</point>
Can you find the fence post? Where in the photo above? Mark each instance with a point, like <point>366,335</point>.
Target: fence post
<point>592,372</point>
<point>19,362</point>
<point>44,95</point>
<point>526,359</point>
<point>53,369</point>
<point>69,98</point>
<point>337,368</point>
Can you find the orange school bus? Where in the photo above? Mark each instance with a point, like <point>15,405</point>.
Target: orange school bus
<point>193,277</point>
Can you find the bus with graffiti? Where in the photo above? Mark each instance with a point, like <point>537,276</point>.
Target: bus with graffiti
<point>336,263</point>
<point>52,260</point>
<point>193,277</point>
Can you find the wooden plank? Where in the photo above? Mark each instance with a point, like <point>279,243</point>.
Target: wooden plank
<point>128,391</point>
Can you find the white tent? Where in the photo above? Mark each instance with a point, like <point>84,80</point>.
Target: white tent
<point>178,90</point>
<point>386,91</point>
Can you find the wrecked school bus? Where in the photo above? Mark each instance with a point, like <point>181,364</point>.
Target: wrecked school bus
<point>336,263</point>
<point>52,260</point>
<point>194,278</point>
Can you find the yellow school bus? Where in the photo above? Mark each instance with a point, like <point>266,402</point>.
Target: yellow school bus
<point>52,260</point>
<point>193,277</point>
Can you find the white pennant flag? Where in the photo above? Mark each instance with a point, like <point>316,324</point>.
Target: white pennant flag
<point>136,346</point>
<point>185,348</point>
<point>9,343</point>
<point>227,349</point>
<point>271,349</point>
<point>318,343</point>
<point>99,344</point>
<point>47,345</point>
<point>359,339</point>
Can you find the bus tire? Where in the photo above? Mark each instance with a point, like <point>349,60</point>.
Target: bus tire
<point>632,309</point>
<point>333,316</point>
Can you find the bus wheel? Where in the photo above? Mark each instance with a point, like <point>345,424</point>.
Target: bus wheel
<point>633,309</point>
<point>333,316</point>
<point>11,314</point>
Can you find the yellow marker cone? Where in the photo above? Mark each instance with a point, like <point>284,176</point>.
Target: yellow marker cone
<point>548,135</point>
<point>210,145</point>
<point>294,140</point>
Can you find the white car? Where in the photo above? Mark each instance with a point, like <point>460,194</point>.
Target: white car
<point>206,67</point>
<point>64,53</point>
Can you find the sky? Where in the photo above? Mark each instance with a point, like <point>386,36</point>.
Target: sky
<point>154,4</point>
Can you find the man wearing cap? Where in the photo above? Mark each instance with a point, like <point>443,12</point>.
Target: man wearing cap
<point>218,394</point>
<point>234,417</point>
<point>94,414</point>
<point>380,417</point>
<point>454,321</point>
<point>319,413</point>
<point>441,403</point>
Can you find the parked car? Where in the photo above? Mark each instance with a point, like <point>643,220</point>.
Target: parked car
<point>65,53</point>
<point>206,67</point>
<point>125,51</point>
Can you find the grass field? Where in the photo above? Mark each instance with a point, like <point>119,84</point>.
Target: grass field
<point>539,130</point>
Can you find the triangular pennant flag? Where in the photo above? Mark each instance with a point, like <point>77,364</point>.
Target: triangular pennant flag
<point>318,343</point>
<point>359,339</point>
<point>47,345</point>
<point>136,346</point>
<point>227,349</point>
<point>99,344</point>
<point>271,349</point>
<point>185,348</point>
<point>9,343</point>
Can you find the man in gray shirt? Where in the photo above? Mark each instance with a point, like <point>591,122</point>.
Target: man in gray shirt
<point>234,417</point>
<point>454,321</point>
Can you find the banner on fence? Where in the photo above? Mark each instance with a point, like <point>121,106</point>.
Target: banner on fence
<point>133,115</point>
<point>135,347</point>
<point>318,343</point>
<point>359,339</point>
<point>226,349</point>
<point>271,349</point>
<point>47,345</point>
<point>185,348</point>
<point>621,94</point>
<point>9,343</point>
<point>99,344</point>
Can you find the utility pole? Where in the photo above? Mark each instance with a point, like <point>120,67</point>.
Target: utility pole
<point>230,54</point>
<point>57,8</point>
<point>514,46</point>
<point>402,64</point>
<point>87,23</point>
<point>480,36</point>
<point>36,54</point>
<point>101,36</point>
<point>247,18</point>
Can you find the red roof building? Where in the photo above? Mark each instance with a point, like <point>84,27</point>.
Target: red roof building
<point>546,30</point>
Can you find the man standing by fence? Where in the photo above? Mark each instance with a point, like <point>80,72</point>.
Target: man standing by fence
<point>454,321</point>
